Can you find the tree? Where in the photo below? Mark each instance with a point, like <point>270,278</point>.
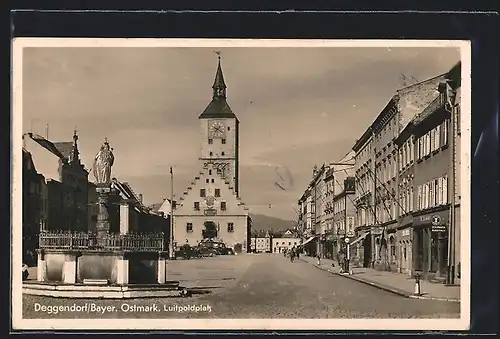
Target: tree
<point>210,230</point>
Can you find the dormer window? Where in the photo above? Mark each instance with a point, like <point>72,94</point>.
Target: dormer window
<point>209,173</point>
<point>211,153</point>
<point>210,141</point>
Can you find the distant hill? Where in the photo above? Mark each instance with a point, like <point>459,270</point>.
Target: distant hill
<point>264,222</point>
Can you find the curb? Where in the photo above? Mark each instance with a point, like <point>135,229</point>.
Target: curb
<point>383,287</point>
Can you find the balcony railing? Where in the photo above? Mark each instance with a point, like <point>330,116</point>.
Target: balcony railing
<point>148,242</point>
<point>431,108</point>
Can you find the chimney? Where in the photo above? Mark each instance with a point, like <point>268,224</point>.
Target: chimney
<point>47,132</point>
<point>140,198</point>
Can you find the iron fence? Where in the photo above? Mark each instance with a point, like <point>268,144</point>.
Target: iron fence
<point>146,242</point>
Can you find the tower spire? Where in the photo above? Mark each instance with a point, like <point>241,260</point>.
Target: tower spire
<point>219,87</point>
<point>75,153</point>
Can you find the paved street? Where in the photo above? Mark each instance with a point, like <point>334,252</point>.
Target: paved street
<point>261,286</point>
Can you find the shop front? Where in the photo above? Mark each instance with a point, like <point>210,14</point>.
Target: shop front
<point>430,244</point>
<point>404,245</point>
<point>360,249</point>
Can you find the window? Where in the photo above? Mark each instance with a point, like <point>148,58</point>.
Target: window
<point>211,153</point>
<point>438,136</point>
<point>217,192</point>
<point>228,128</point>
<point>433,139</point>
<point>196,206</point>
<point>411,200</point>
<point>431,194</point>
<point>189,227</point>
<point>445,133</point>
<point>230,227</point>
<point>412,151</point>
<point>420,148</point>
<point>223,205</point>
<point>210,172</point>
<point>202,193</point>
<point>457,120</point>
<point>419,197</point>
<point>445,189</point>
<point>223,141</point>
<point>210,141</point>
<point>440,190</point>
<point>223,154</point>
<point>207,181</point>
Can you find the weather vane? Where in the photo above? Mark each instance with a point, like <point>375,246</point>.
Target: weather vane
<point>218,53</point>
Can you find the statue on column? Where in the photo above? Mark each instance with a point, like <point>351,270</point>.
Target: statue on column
<point>102,164</point>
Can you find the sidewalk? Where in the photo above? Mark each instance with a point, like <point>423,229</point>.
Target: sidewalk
<point>397,283</point>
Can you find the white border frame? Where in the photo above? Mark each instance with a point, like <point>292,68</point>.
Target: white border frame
<point>19,323</point>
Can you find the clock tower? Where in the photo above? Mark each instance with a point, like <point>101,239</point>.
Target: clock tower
<point>220,133</point>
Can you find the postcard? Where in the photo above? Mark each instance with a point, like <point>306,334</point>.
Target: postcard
<point>241,184</point>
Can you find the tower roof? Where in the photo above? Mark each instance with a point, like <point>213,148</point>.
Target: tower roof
<point>218,107</point>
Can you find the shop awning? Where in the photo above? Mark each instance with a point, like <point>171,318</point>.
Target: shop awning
<point>308,240</point>
<point>359,238</point>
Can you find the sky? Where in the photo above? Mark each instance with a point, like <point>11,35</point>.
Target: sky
<point>297,107</point>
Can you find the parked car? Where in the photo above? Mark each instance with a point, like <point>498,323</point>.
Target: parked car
<point>207,249</point>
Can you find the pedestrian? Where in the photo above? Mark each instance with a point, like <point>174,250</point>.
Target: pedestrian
<point>342,262</point>
<point>318,256</point>
<point>292,254</point>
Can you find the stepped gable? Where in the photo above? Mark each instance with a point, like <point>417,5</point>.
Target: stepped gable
<point>219,175</point>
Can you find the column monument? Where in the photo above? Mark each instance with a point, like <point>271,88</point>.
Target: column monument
<point>103,162</point>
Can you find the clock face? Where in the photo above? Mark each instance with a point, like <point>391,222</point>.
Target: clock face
<point>216,129</point>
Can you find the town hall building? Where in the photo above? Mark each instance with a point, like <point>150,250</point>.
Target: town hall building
<point>212,199</point>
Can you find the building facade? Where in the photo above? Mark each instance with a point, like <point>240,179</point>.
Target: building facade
<point>261,243</point>
<point>344,215</point>
<point>283,242</point>
<point>405,145</point>
<point>377,174</point>
<point>329,249</point>
<point>34,207</point>
<point>318,190</point>
<point>66,181</point>
<point>212,199</point>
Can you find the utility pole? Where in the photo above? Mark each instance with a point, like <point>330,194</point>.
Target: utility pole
<point>171,252</point>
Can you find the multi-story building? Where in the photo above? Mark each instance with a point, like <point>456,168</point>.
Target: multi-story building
<point>212,199</point>
<point>435,228</point>
<point>261,243</point>
<point>34,207</point>
<point>364,200</point>
<point>405,144</point>
<point>344,213</point>
<point>280,243</point>
<point>377,173</point>
<point>330,242</point>
<point>318,188</point>
<point>66,181</point>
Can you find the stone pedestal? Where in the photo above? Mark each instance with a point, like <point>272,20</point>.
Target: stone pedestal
<point>69,270</point>
<point>103,224</point>
<point>41,268</point>
<point>163,268</point>
<point>122,271</point>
